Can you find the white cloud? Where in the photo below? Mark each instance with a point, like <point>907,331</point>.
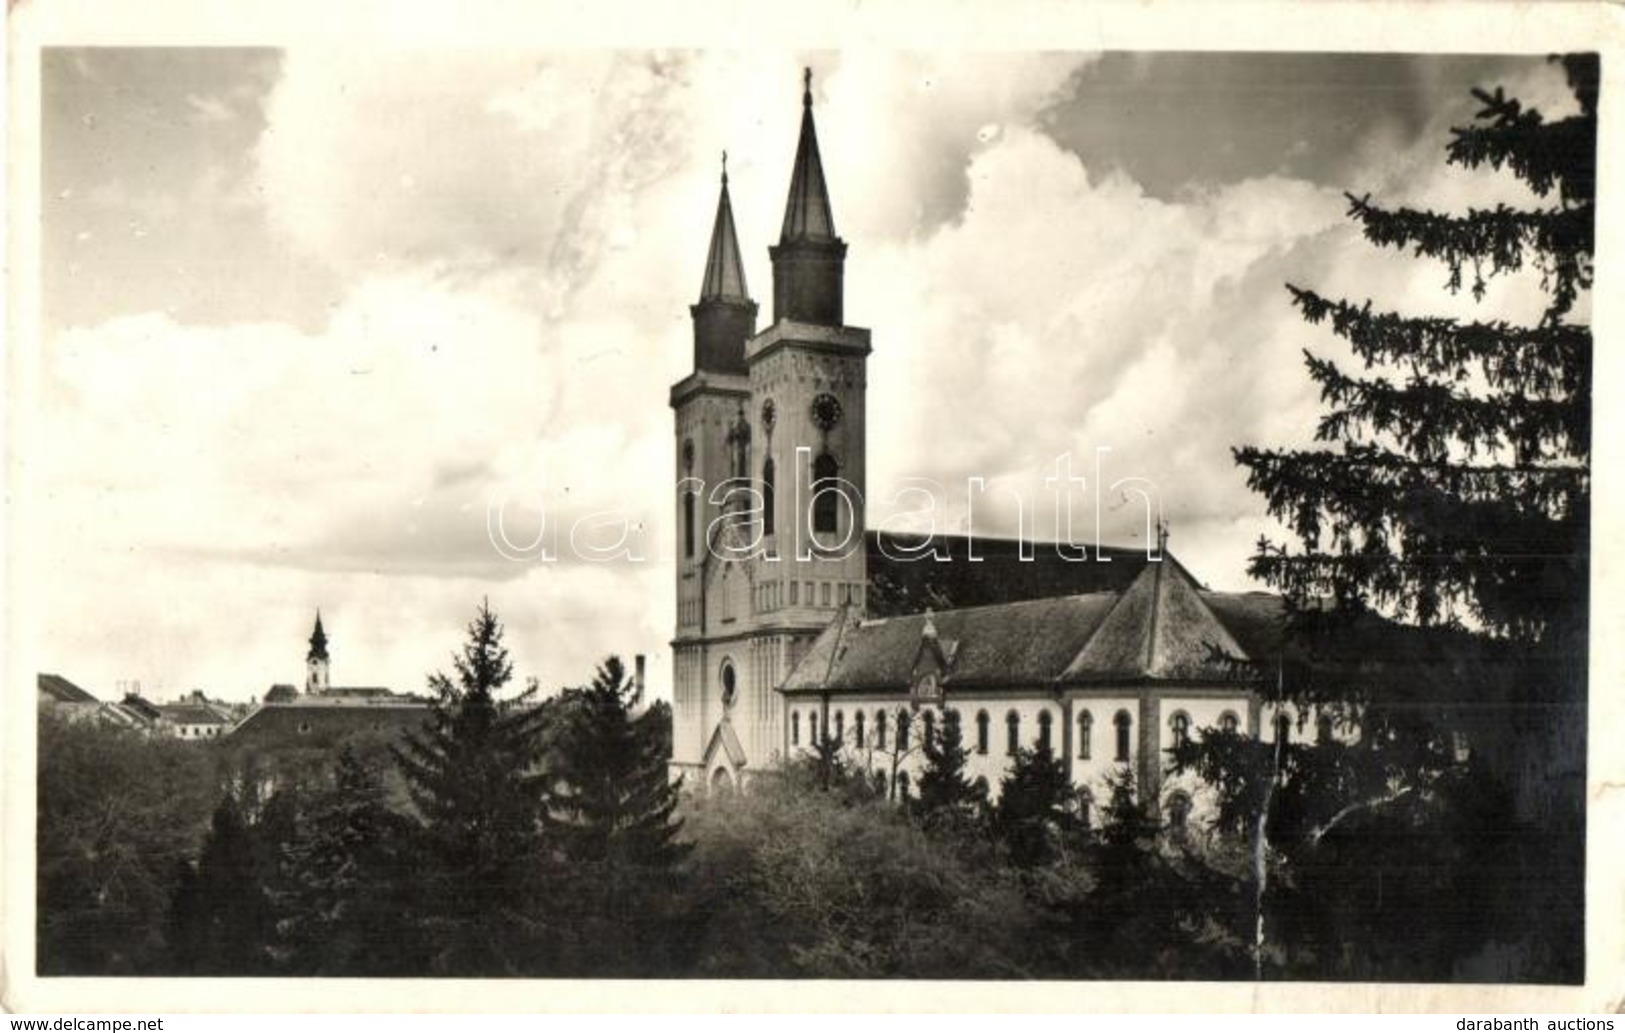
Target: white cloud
<point>521,238</point>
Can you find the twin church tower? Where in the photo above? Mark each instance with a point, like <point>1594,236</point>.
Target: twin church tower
<point>765,559</point>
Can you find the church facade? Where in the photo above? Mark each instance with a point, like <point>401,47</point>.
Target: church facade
<point>795,623</point>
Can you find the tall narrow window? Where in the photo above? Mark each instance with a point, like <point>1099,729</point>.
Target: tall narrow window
<point>1086,731</point>
<point>981,732</point>
<point>840,726</point>
<point>1180,726</point>
<point>902,731</point>
<point>1323,728</point>
<point>812,728</point>
<point>826,498</point>
<point>1125,728</point>
<point>1012,733</point>
<point>795,729</point>
<point>1283,729</point>
<point>880,729</point>
<point>857,729</point>
<point>688,524</point>
<point>767,496</point>
<point>1179,810</point>
<point>1229,722</point>
<point>929,721</point>
<point>1043,731</point>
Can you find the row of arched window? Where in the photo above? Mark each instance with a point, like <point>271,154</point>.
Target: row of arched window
<point>865,736</point>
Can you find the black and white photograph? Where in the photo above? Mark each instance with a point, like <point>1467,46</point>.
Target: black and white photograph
<point>879,509</point>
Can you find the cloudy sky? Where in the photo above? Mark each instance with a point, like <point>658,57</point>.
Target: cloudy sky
<point>309,314</point>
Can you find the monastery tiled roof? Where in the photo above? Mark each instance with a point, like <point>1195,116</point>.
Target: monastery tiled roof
<point>900,586</point>
<point>1160,627</point>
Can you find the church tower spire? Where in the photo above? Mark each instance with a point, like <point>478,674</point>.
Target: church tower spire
<point>809,260</point>
<point>316,660</point>
<point>725,317</point>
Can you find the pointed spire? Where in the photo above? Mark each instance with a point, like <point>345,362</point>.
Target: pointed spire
<point>724,269</point>
<point>807,213</point>
<point>318,641</point>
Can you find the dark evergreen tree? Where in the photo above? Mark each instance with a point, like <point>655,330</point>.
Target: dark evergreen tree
<point>946,795</point>
<point>1439,582</point>
<point>347,879</point>
<point>474,776</point>
<point>1033,819</point>
<point>222,921</point>
<point>612,813</point>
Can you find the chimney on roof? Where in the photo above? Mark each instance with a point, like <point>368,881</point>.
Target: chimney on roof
<point>639,663</point>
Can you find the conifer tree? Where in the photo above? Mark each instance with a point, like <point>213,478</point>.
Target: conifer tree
<point>1439,580</point>
<point>473,775</point>
<point>612,814</point>
<point>346,880</point>
<point>1032,815</point>
<point>221,919</point>
<point>946,794</point>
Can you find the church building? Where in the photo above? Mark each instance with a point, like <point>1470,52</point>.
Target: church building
<point>795,623</point>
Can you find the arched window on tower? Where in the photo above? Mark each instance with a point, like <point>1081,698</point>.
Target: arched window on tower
<point>1043,731</point>
<point>981,732</point>
<point>1012,733</point>
<point>1125,734</point>
<point>826,496</point>
<point>768,485</point>
<point>1086,732</point>
<point>688,524</point>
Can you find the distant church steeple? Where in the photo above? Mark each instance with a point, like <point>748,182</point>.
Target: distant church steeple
<point>316,660</point>
<point>809,261</point>
<point>725,317</point>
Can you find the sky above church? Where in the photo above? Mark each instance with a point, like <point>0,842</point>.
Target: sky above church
<point>310,317</point>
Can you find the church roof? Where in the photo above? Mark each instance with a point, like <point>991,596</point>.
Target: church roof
<point>899,586</point>
<point>807,214</point>
<point>724,269</point>
<point>1161,627</point>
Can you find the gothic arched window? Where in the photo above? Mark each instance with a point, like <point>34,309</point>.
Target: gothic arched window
<point>902,731</point>
<point>768,478</point>
<point>1179,809</point>
<point>930,730</point>
<point>795,728</point>
<point>880,729</point>
<point>1086,731</point>
<point>1125,727</point>
<point>840,725</point>
<point>688,524</point>
<point>857,729</point>
<point>1043,731</point>
<point>981,731</point>
<point>1012,733</point>
<point>812,728</point>
<point>1180,725</point>
<point>826,495</point>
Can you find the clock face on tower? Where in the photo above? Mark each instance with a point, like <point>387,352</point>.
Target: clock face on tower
<point>826,412</point>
